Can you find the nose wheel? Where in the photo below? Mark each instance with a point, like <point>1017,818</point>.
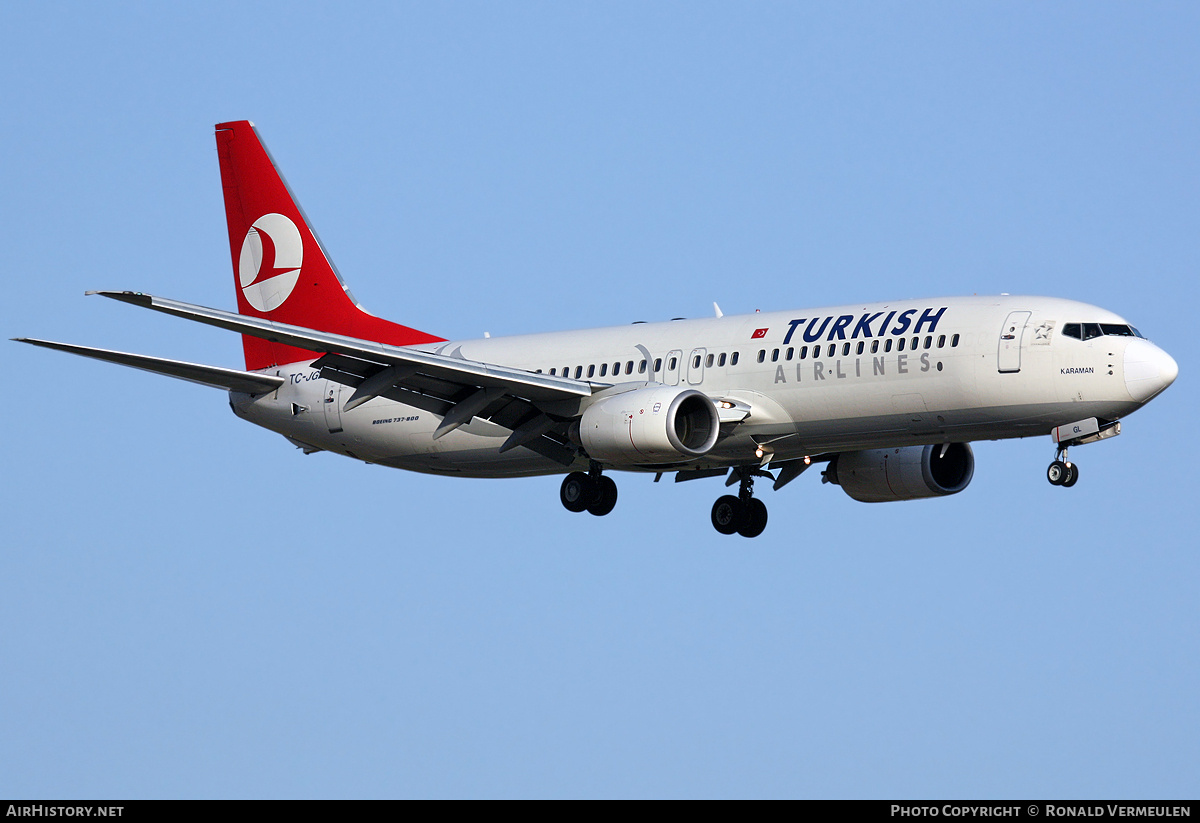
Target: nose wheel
<point>1062,472</point>
<point>591,492</point>
<point>744,514</point>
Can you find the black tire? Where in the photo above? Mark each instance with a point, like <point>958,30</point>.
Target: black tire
<point>1057,473</point>
<point>605,497</point>
<point>727,514</point>
<point>1072,476</point>
<point>576,492</point>
<point>754,518</point>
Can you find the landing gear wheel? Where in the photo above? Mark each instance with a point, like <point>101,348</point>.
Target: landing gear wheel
<point>753,519</point>
<point>726,514</point>
<point>1058,473</point>
<point>576,492</point>
<point>1072,476</point>
<point>604,496</point>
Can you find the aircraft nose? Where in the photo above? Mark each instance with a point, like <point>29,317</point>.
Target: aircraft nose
<point>1148,370</point>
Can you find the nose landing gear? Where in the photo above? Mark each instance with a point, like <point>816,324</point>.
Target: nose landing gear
<point>744,514</point>
<point>591,492</point>
<point>1062,472</point>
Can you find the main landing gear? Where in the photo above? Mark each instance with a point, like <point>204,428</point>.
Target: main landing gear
<point>744,514</point>
<point>1062,472</point>
<point>592,492</point>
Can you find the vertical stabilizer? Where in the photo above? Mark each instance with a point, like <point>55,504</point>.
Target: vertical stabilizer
<point>280,269</point>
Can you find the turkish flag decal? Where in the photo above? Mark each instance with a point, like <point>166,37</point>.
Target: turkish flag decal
<point>758,333</point>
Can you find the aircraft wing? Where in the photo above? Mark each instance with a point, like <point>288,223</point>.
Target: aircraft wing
<point>535,407</point>
<point>233,379</point>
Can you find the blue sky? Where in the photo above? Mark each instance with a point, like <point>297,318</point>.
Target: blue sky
<point>193,608</point>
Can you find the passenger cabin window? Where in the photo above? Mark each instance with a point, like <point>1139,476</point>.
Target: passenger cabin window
<point>642,367</point>
<point>603,369</point>
<point>673,364</point>
<point>762,355</point>
<point>899,344</point>
<point>629,367</point>
<point>733,358</point>
<point>859,350</point>
<point>775,355</point>
<point>803,352</point>
<point>721,360</point>
<point>578,372</point>
<point>591,371</point>
<point>790,352</point>
<point>928,341</point>
<point>657,365</point>
<point>696,362</point>
<point>954,341</point>
<point>874,346</point>
<point>845,349</point>
<point>708,361</point>
<point>832,349</point>
<point>942,341</point>
<point>552,371</point>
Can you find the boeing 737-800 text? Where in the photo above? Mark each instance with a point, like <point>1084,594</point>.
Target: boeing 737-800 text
<point>887,395</point>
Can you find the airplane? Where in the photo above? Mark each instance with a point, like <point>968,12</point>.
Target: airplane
<point>888,396</point>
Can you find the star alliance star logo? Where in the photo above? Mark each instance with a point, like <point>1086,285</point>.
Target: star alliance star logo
<point>1041,335</point>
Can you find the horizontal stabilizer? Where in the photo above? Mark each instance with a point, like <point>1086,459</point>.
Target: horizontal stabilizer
<point>215,376</point>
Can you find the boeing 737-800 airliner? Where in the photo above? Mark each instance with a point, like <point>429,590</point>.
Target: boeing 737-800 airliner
<point>886,395</point>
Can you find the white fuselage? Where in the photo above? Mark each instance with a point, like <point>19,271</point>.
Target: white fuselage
<point>836,379</point>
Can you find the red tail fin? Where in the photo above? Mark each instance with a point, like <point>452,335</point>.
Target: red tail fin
<point>280,269</point>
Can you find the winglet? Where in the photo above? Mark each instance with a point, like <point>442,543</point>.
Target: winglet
<point>137,298</point>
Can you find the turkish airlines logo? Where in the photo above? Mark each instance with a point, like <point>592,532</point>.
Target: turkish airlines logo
<point>269,266</point>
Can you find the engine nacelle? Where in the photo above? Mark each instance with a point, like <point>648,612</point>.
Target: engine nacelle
<point>656,424</point>
<point>908,473</point>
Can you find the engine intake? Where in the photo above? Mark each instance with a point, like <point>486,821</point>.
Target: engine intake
<point>656,424</point>
<point>908,473</point>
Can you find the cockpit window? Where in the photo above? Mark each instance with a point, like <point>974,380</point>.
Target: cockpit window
<point>1086,331</point>
<point>1119,330</point>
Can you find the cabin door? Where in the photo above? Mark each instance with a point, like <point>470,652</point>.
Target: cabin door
<point>1009,357</point>
<point>333,406</point>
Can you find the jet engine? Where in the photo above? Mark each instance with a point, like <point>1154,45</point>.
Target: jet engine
<point>655,424</point>
<point>908,473</point>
